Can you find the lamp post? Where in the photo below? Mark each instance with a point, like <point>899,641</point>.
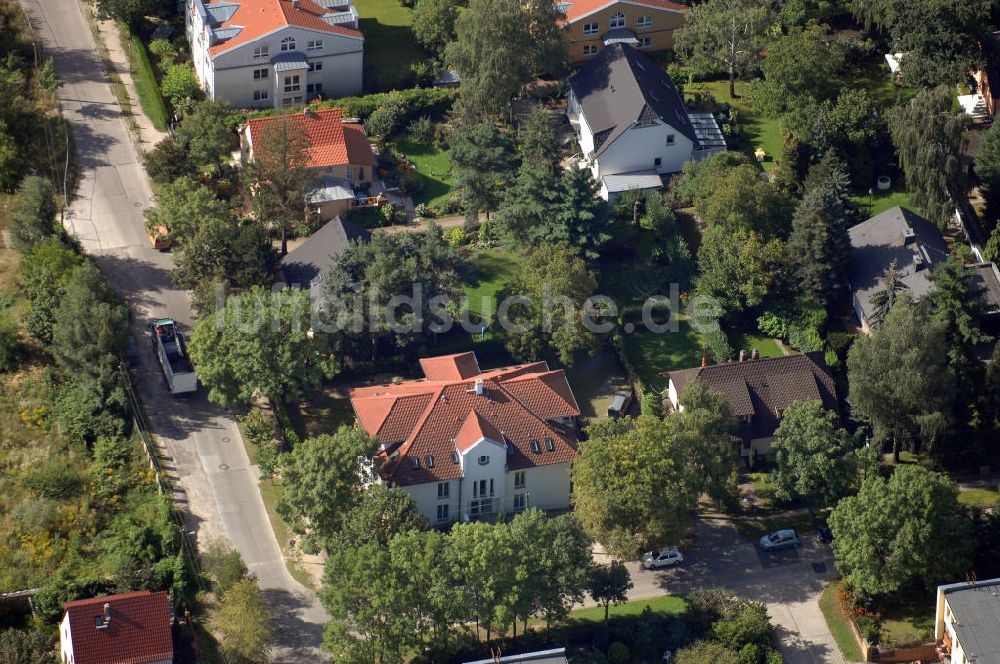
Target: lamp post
<point>871,194</point>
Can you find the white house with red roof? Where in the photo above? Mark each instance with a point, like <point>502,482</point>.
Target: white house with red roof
<point>133,628</point>
<point>275,53</point>
<point>467,443</point>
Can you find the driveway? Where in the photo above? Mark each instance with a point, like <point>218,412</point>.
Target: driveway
<point>216,485</point>
<point>788,582</point>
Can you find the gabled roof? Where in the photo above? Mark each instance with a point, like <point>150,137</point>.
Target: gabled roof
<point>311,259</point>
<point>622,87</point>
<point>332,142</point>
<point>443,413</point>
<point>138,632</point>
<point>577,9</point>
<point>762,389</point>
<point>876,242</point>
<point>248,20</point>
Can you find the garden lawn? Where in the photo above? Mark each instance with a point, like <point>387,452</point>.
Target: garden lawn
<point>595,379</point>
<point>664,604</point>
<point>763,132</point>
<point>434,168</point>
<point>882,201</point>
<point>493,269</point>
<point>326,409</point>
<point>910,623</point>
<point>838,625</point>
<point>979,497</point>
<point>766,346</point>
<point>651,353</point>
<point>390,48</point>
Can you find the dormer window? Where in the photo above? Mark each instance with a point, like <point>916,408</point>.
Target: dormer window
<point>617,20</point>
<point>288,44</point>
<point>484,460</point>
<point>454,457</point>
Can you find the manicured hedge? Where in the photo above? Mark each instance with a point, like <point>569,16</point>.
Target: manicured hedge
<point>146,85</point>
<point>433,102</point>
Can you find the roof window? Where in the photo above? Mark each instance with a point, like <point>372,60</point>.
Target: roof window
<point>429,461</point>
<point>550,444</point>
<point>535,446</point>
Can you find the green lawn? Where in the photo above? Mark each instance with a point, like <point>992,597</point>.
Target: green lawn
<point>763,487</point>
<point>838,625</point>
<point>911,623</point>
<point>651,353</point>
<point>326,409</point>
<point>760,131</point>
<point>595,379</point>
<point>766,346</point>
<point>664,604</point>
<point>434,168</point>
<point>754,527</point>
<point>390,48</point>
<point>493,268</point>
<point>979,497</point>
<point>882,200</point>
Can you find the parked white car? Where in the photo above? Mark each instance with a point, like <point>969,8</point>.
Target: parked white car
<point>663,558</point>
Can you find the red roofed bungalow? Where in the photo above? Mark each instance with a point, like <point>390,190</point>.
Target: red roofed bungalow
<point>648,25</point>
<point>118,629</point>
<point>467,443</point>
<point>339,157</point>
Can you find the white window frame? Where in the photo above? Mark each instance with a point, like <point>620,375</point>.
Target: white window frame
<point>520,502</point>
<point>314,45</point>
<point>589,49</point>
<point>292,83</point>
<point>644,22</point>
<point>645,42</point>
<point>443,512</point>
<point>260,74</point>
<point>444,490</point>
<point>261,52</point>
<point>288,44</point>
<point>260,95</point>
<point>617,20</point>
<point>519,479</point>
<point>591,28</point>
<point>316,66</point>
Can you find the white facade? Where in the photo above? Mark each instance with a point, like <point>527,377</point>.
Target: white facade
<point>286,67</point>
<point>65,641</point>
<point>655,147</point>
<point>977,619</point>
<point>489,487</point>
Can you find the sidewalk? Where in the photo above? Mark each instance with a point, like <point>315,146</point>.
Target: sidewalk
<point>136,120</point>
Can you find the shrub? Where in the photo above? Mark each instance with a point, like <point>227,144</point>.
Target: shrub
<point>52,479</point>
<point>718,343</point>
<point>652,404</point>
<point>34,217</point>
<point>421,129</point>
<point>179,85</point>
<point>387,118</point>
<point>10,345</point>
<point>618,653</point>
<point>164,51</point>
<point>168,161</point>
<point>258,427</point>
<point>224,565</point>
<point>411,181</point>
<point>456,236</point>
<point>85,414</point>
<point>805,338</point>
<point>266,458</point>
<point>424,210</point>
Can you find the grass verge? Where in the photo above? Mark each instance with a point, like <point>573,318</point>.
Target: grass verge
<point>665,604</point>
<point>837,622</point>
<point>144,78</point>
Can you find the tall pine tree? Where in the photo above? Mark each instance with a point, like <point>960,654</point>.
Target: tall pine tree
<point>818,246</point>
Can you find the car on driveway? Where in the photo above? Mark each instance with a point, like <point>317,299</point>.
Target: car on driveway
<point>667,557</point>
<point>780,539</point>
<point>620,402</point>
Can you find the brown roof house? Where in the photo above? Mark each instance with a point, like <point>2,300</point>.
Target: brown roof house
<point>759,391</point>
<point>133,628</point>
<point>467,443</point>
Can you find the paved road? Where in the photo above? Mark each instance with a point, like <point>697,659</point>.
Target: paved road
<point>201,443</point>
<point>786,581</point>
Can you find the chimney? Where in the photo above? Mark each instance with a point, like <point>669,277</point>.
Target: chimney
<point>103,622</point>
<point>909,235</point>
<point>704,360</point>
<point>743,355</point>
<point>480,387</point>
<point>754,354</point>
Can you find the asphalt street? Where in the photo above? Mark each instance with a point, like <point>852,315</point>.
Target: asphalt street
<point>201,444</point>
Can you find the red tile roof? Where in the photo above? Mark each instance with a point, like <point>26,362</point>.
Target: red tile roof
<point>261,17</point>
<point>332,142</point>
<point>516,407</point>
<point>578,9</point>
<point>139,631</point>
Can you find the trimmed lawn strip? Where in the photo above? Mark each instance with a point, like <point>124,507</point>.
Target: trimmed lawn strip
<point>766,346</point>
<point>493,269</point>
<point>979,497</point>
<point>838,624</point>
<point>434,168</point>
<point>390,48</point>
<point>146,85</point>
<point>664,604</point>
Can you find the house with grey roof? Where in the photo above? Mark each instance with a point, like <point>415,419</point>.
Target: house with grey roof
<point>631,122</point>
<point>307,264</point>
<point>913,242</point>
<point>758,391</point>
<point>917,246</point>
<point>967,622</point>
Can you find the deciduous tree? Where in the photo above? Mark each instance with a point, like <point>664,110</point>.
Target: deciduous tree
<point>814,458</point>
<point>322,479</point>
<point>609,584</point>
<point>799,64</point>
<point>889,536</point>
<point>434,23</point>
<point>208,133</point>
<point>34,216</point>
<point>245,622</point>
<point>737,266</point>
<point>724,35</point>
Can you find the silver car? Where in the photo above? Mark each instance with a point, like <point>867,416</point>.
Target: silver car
<point>780,539</point>
<point>667,557</point>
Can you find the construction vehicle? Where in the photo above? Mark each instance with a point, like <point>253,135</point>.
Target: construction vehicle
<point>168,344</point>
